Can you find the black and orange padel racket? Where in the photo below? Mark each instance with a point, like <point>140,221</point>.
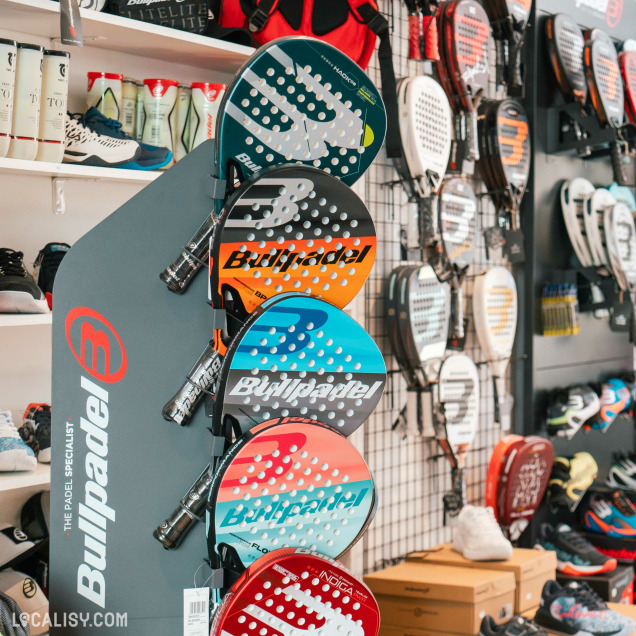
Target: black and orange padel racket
<point>627,63</point>
<point>566,43</point>
<point>606,90</point>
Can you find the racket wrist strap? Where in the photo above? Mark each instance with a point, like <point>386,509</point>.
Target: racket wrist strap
<point>380,26</point>
<point>216,188</point>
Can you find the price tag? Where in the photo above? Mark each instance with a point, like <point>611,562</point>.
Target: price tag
<point>196,611</point>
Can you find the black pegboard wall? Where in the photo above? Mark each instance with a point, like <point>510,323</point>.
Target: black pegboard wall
<point>411,475</point>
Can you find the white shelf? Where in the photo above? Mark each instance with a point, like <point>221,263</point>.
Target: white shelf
<point>105,31</point>
<point>71,171</point>
<point>16,481</point>
<point>25,320</point>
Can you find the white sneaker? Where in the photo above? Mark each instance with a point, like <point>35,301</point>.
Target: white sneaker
<point>14,453</point>
<point>478,536</point>
<point>83,146</point>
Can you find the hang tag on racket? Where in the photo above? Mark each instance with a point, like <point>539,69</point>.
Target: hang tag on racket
<point>621,313</point>
<point>70,23</point>
<point>196,611</point>
<point>494,238</point>
<point>513,246</point>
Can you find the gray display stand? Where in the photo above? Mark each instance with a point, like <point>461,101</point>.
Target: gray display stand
<point>105,404</point>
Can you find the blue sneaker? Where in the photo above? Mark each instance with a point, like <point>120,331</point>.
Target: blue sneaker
<point>576,610</point>
<point>612,515</point>
<point>149,157</point>
<point>14,453</point>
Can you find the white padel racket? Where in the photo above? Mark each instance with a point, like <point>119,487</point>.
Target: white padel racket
<point>495,315</point>
<point>573,195</point>
<point>620,235</point>
<point>595,206</point>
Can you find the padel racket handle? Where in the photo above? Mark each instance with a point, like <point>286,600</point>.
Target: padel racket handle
<point>516,81</point>
<point>180,274</point>
<point>426,220</point>
<point>184,517</point>
<point>495,390</point>
<point>430,38</point>
<point>472,147</point>
<point>617,164</point>
<point>414,37</point>
<point>501,61</point>
<point>182,406</point>
<point>457,313</point>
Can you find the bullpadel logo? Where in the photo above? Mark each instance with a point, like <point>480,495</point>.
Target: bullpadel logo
<point>96,345</point>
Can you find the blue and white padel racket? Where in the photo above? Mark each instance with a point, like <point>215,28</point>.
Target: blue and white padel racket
<point>295,355</point>
<point>296,100</point>
<point>296,593</point>
<point>300,356</point>
<point>288,482</point>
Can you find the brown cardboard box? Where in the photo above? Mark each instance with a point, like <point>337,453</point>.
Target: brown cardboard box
<point>429,597</point>
<point>532,568</point>
<point>393,630</point>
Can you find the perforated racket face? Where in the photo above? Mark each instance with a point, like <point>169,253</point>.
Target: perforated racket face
<point>573,196</point>
<point>300,100</point>
<point>470,30</point>
<point>457,210</point>
<point>495,314</point>
<point>627,64</point>
<point>393,311</point>
<point>425,329</point>
<point>290,482</point>
<point>300,356</point>
<point>291,228</point>
<point>566,53</point>
<point>523,482</point>
<point>426,123</point>
<point>294,592</point>
<point>512,148</point>
<point>459,395</point>
<point>595,206</point>
<point>604,80</point>
<point>621,244</point>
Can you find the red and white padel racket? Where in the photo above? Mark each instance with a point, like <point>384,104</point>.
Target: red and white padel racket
<point>606,90</point>
<point>296,592</point>
<point>465,36</point>
<point>523,480</point>
<point>627,64</point>
<point>494,468</point>
<point>289,482</point>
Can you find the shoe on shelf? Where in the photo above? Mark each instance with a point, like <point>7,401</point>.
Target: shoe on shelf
<point>622,472</point>
<point>46,265</point>
<point>15,546</point>
<point>89,148</point>
<point>575,555</point>
<point>576,610</point>
<point>15,455</point>
<point>612,515</point>
<point>149,158</point>
<point>19,293</point>
<point>516,626</point>
<point>616,397</point>
<point>570,408</point>
<point>570,479</point>
<point>478,536</point>
<point>38,416</point>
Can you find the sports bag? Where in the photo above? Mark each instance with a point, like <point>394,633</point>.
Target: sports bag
<point>185,15</point>
<point>349,25</point>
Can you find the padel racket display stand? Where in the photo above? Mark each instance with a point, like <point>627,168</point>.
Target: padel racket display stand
<point>121,341</point>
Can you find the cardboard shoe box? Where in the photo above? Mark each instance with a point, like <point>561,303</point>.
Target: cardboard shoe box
<point>424,599</point>
<point>531,569</point>
<point>612,587</point>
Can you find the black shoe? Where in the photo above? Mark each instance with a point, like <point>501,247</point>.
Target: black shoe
<point>39,415</point>
<point>46,264</point>
<point>18,291</point>
<point>575,555</point>
<point>516,626</point>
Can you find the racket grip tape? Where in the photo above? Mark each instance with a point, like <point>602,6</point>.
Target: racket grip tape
<point>185,516</point>
<point>180,274</point>
<point>431,38</point>
<point>618,166</point>
<point>501,61</point>
<point>457,313</point>
<point>472,138</point>
<point>183,404</point>
<point>495,390</point>
<point>414,37</point>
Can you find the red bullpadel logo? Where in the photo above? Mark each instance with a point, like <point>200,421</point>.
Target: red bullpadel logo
<point>95,344</point>
<point>614,12</point>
